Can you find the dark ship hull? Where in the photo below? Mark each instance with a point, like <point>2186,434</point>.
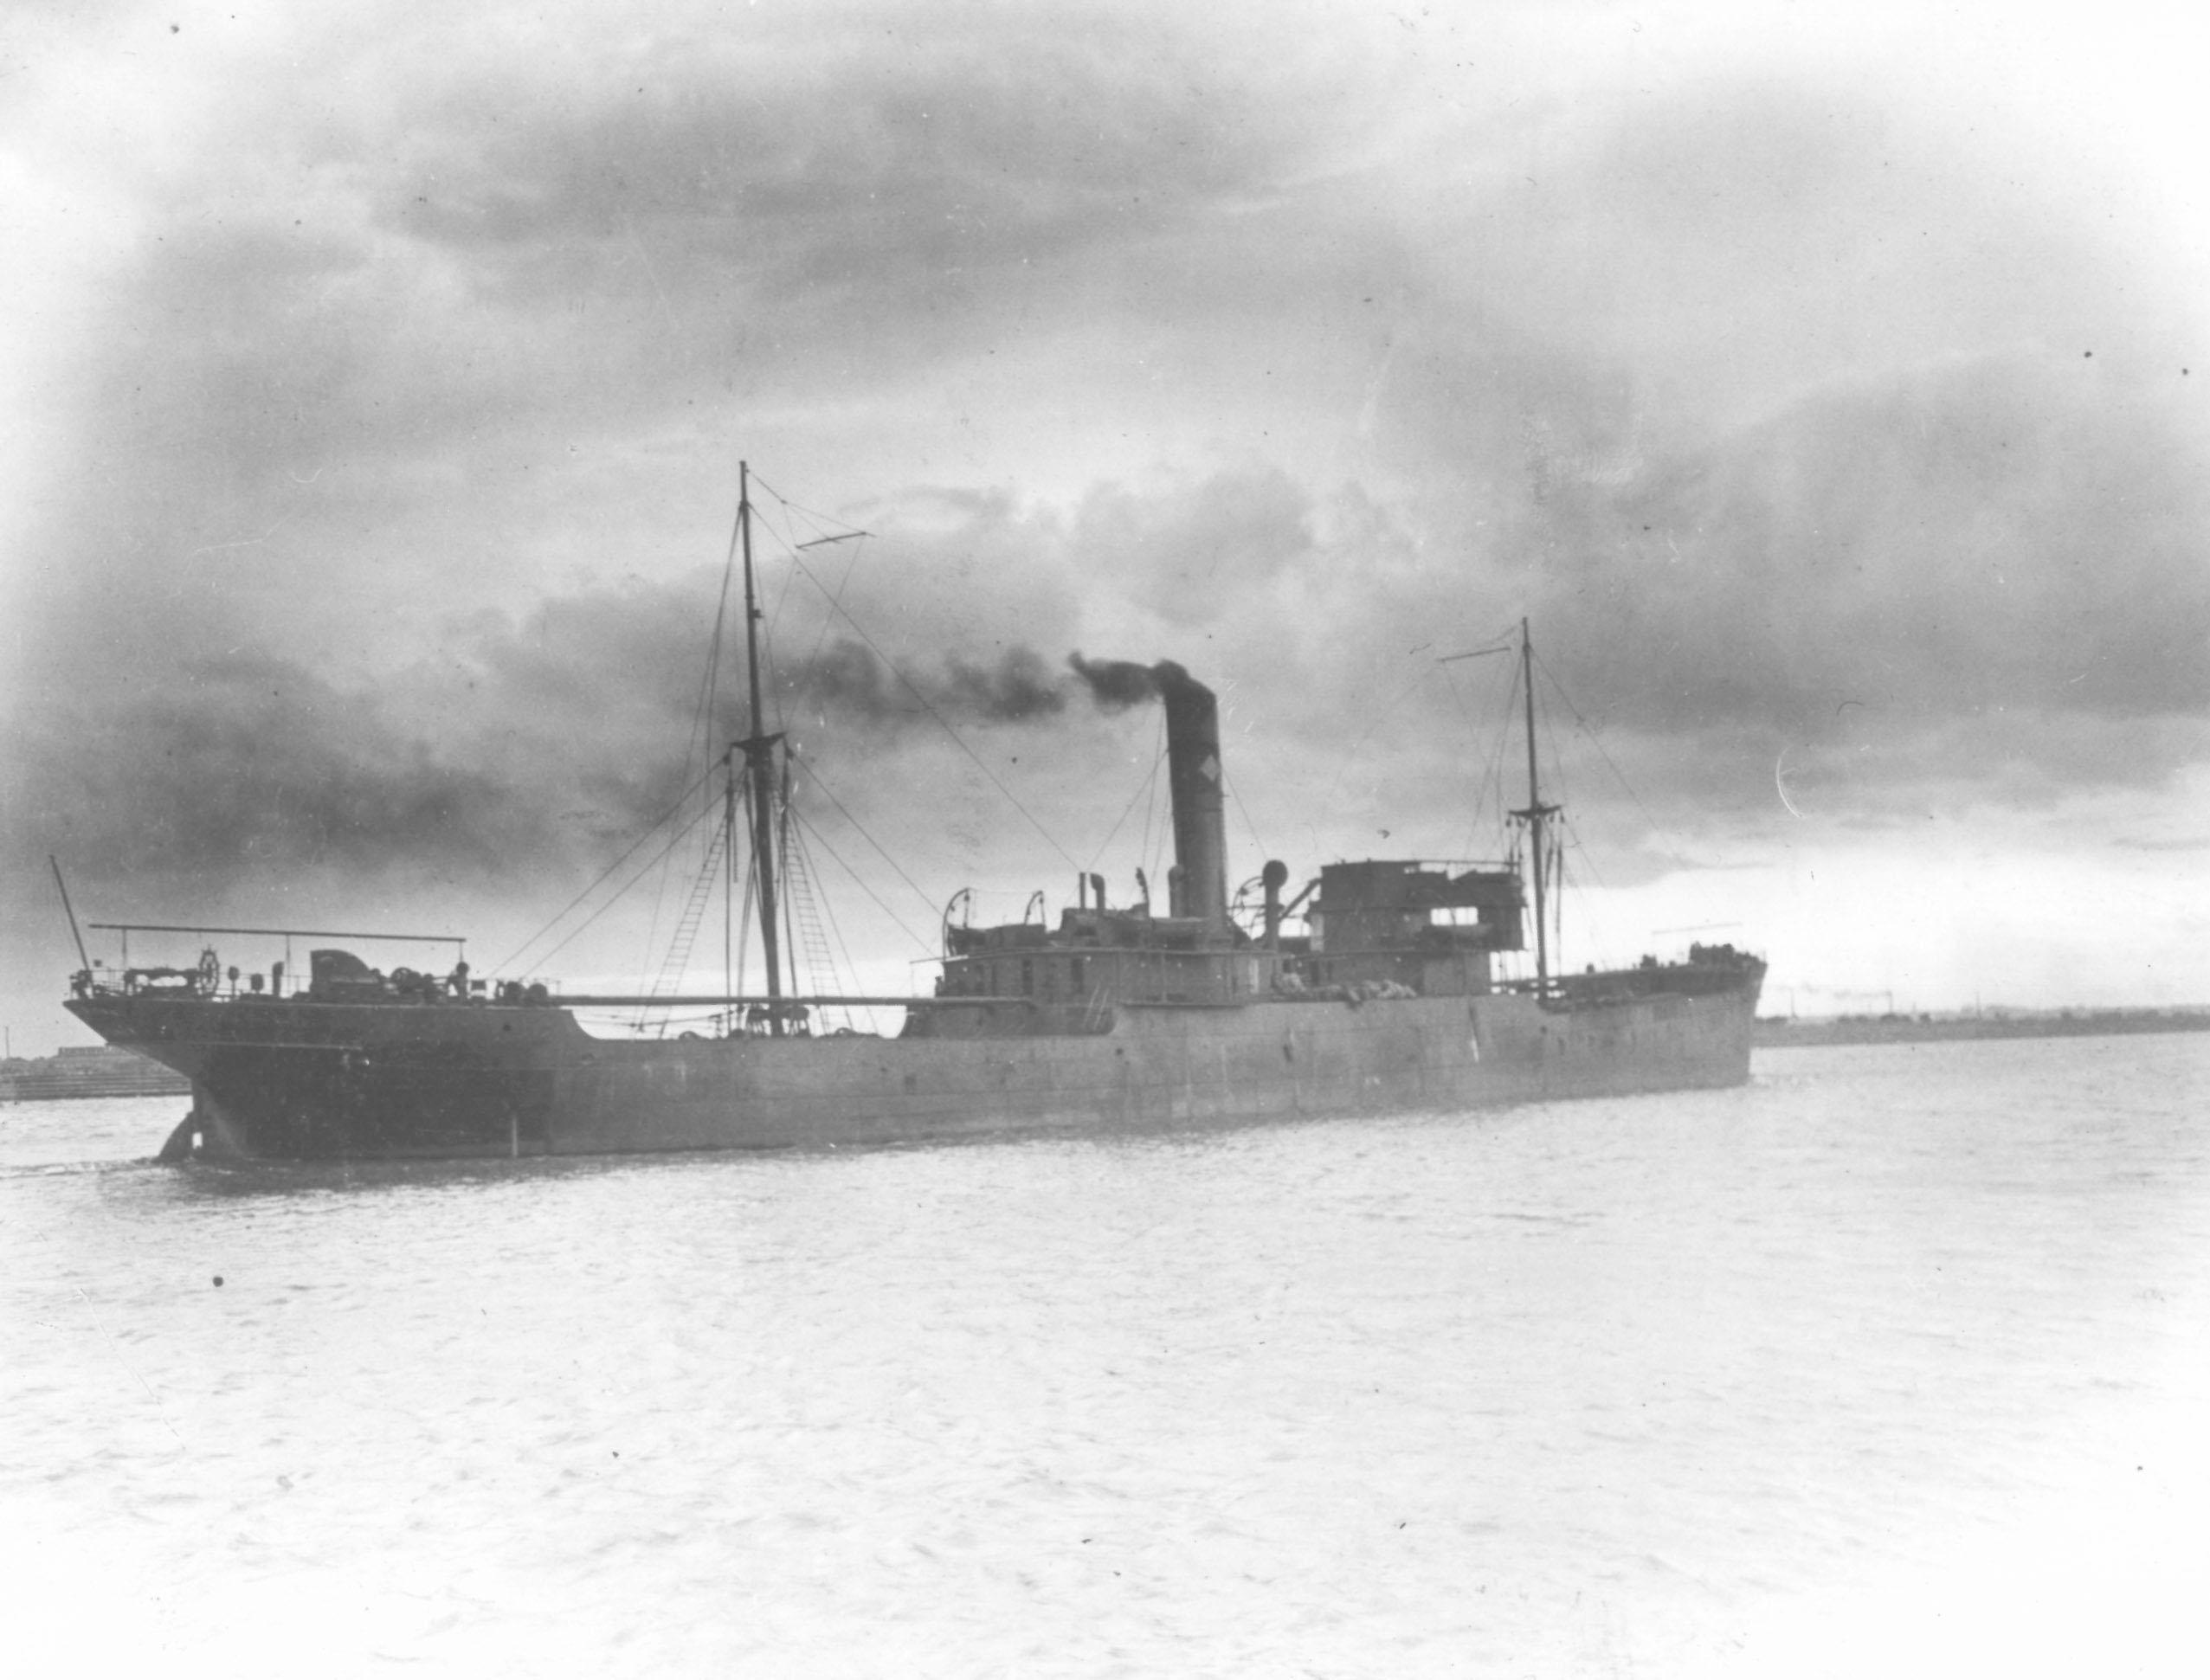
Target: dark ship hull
<point>294,1078</point>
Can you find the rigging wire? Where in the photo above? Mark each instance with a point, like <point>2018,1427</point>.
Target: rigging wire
<point>836,606</point>
<point>702,724</point>
<point>816,916</point>
<point>1379,717</point>
<point>822,521</point>
<point>1569,830</point>
<point>677,962</point>
<point>673,841</point>
<point>834,600</point>
<point>1148,785</point>
<point>700,735</point>
<point>1495,773</point>
<point>1557,924</point>
<point>1557,758</point>
<point>1144,850</point>
<point>851,565</point>
<point>1596,741</point>
<point>794,956</point>
<point>957,740</point>
<point>1597,936</point>
<point>701,730</point>
<point>1490,779</point>
<point>701,740</point>
<point>744,919</point>
<point>836,929</point>
<point>660,886</point>
<point>1236,794</point>
<point>791,548</point>
<point>600,879</point>
<point>814,777</point>
<point>819,976</point>
<point>1553,862</point>
<point>837,859</point>
<point>771,686</point>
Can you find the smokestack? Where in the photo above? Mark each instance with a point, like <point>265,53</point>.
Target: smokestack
<point>1198,882</point>
<point>1194,779</point>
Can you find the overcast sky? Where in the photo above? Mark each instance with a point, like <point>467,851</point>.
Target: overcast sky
<point>1829,391</point>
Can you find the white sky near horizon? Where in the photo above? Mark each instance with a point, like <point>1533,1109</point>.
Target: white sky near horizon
<point>1827,388</point>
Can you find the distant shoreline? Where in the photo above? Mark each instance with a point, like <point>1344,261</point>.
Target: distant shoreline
<point>1773,1031</point>
<point>90,1070</point>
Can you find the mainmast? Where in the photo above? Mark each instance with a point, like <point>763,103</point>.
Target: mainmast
<point>759,765</point>
<point>1533,814</point>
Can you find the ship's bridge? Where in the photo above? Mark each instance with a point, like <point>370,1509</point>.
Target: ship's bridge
<point>1431,927</point>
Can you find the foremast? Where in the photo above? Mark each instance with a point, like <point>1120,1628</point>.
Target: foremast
<point>761,781</point>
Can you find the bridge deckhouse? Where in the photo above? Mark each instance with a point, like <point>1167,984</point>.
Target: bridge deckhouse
<point>1431,928</point>
<point>1071,976</point>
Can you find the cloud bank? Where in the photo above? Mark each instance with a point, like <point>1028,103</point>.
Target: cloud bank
<point>388,416</point>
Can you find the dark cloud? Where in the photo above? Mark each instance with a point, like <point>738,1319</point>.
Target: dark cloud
<point>1990,534</point>
<point>531,747</point>
<point>249,766</point>
<point>478,302</point>
<point>917,159</point>
<point>2013,607</point>
<point>1202,552</point>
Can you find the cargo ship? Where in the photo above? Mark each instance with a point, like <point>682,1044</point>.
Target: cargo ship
<point>1117,1019</point>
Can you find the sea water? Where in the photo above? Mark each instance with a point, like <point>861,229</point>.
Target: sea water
<point>1893,1361</point>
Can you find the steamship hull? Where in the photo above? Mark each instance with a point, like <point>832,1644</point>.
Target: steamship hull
<point>298,1080</point>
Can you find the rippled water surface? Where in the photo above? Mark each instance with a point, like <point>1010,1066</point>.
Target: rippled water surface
<point>1894,1361</point>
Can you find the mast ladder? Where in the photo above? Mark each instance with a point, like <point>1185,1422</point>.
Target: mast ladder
<point>678,960</point>
<point>805,914</point>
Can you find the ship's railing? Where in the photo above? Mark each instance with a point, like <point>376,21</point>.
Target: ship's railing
<point>207,977</point>
<point>750,1000</point>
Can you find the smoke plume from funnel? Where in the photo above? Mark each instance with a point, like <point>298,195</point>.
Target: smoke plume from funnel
<point>1115,684</point>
